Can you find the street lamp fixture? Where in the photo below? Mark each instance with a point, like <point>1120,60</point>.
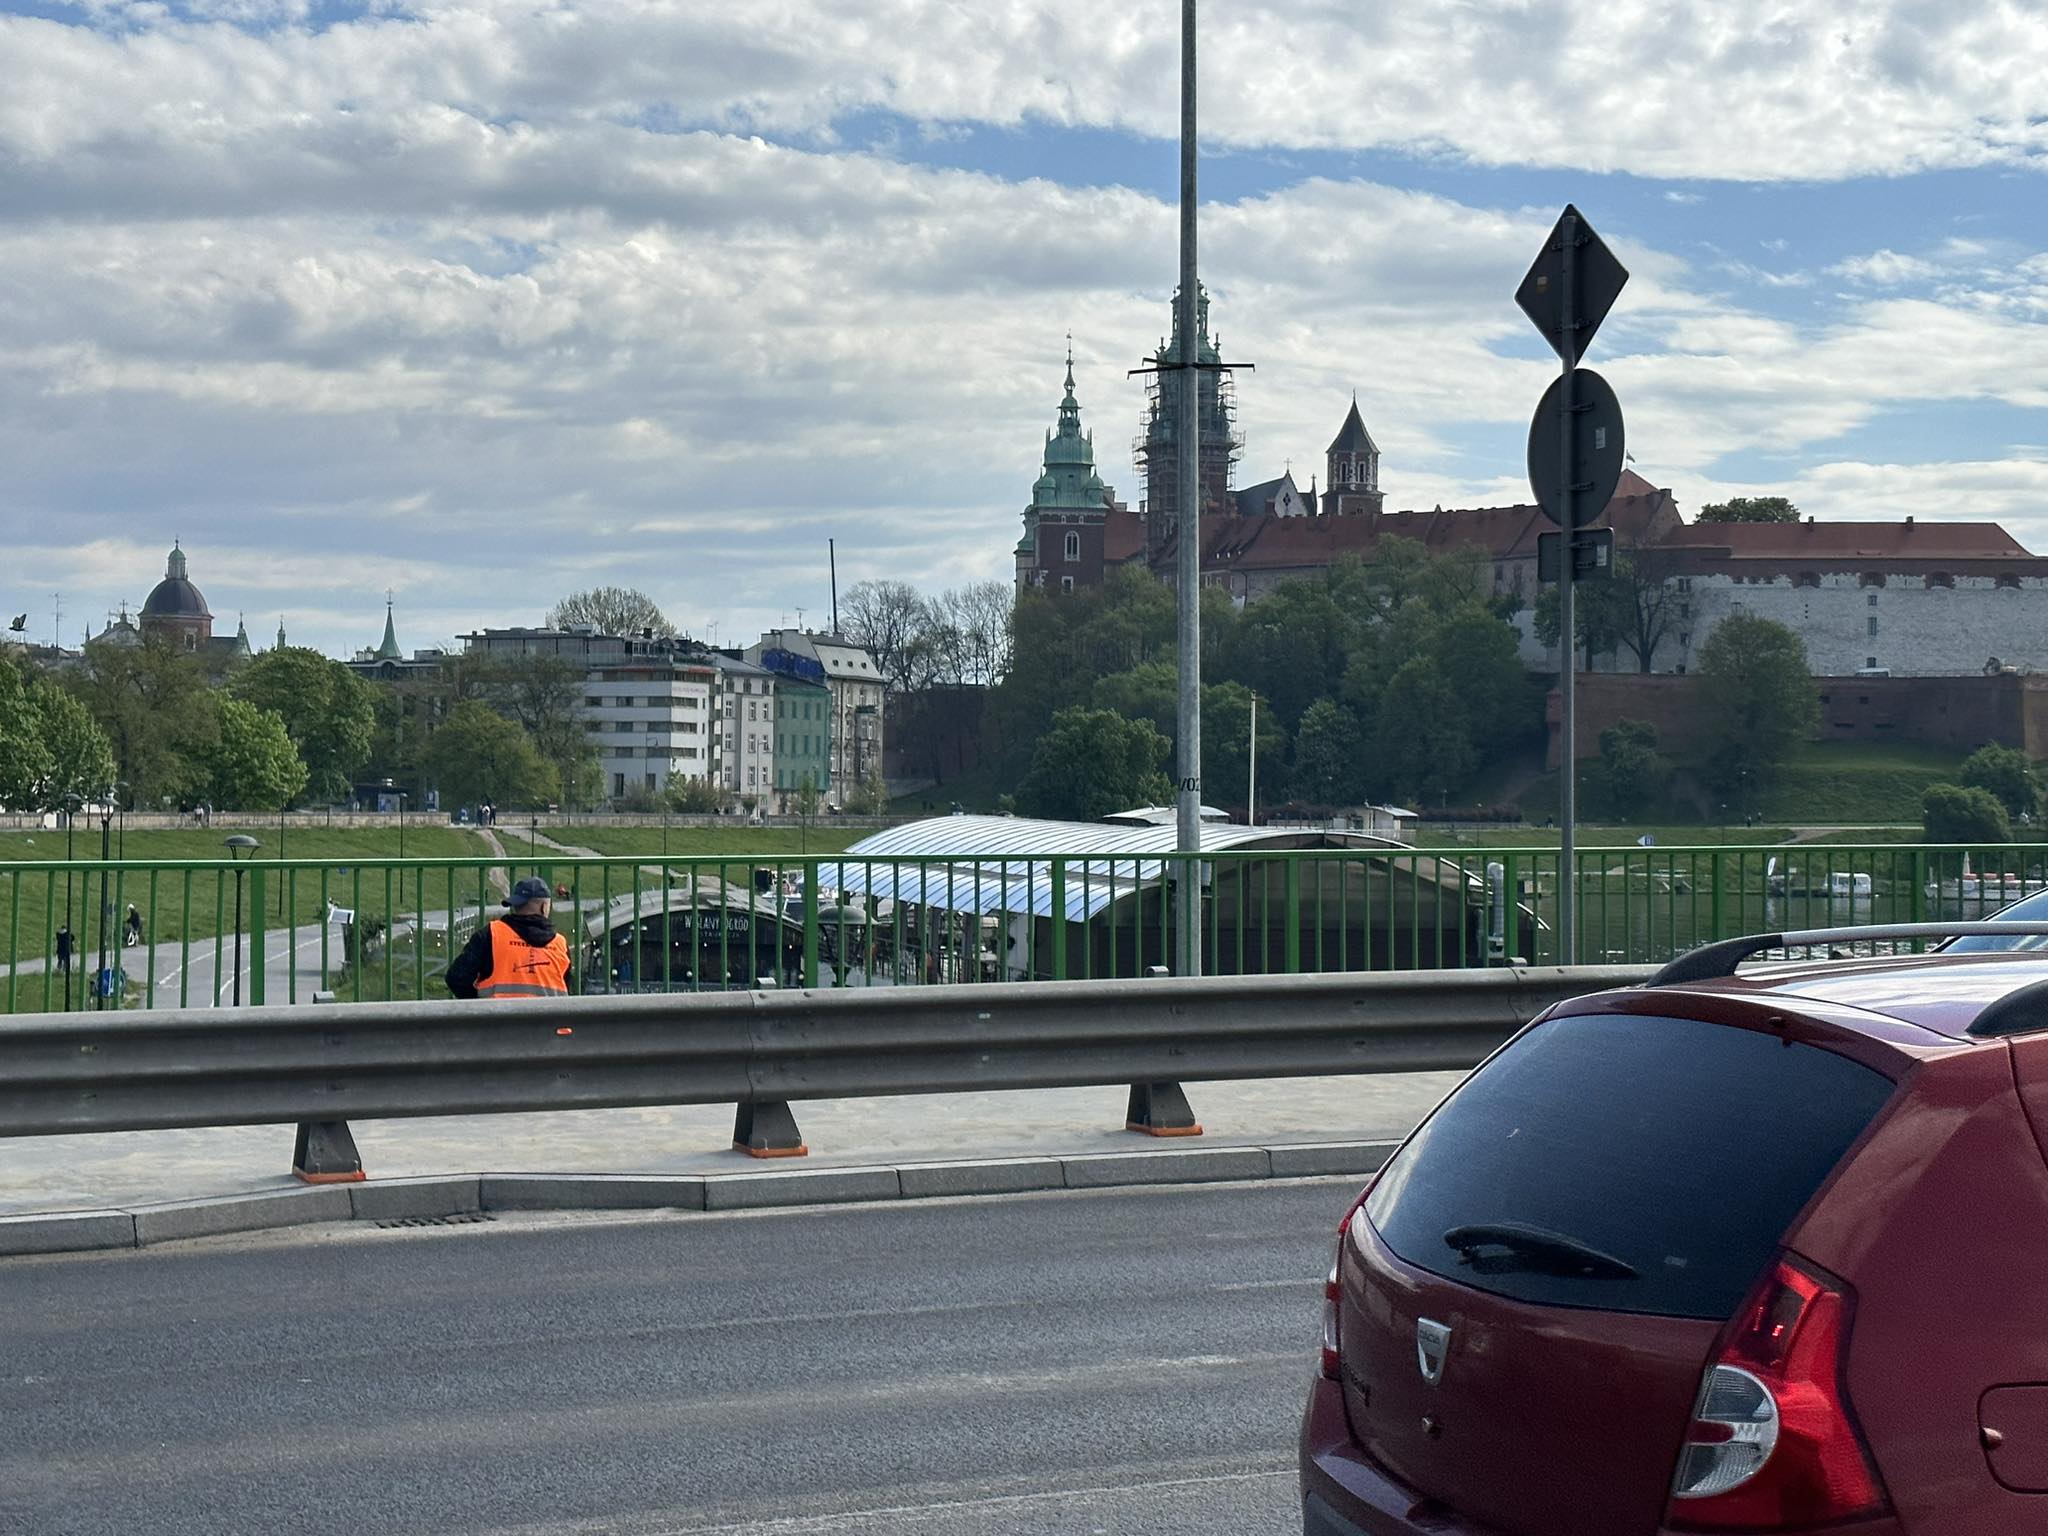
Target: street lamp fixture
<point>236,846</point>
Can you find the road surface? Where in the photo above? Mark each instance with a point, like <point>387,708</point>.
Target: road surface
<point>1122,1361</point>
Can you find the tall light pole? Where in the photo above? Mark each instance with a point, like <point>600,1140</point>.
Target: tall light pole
<point>1188,817</point>
<point>238,845</point>
<point>71,805</point>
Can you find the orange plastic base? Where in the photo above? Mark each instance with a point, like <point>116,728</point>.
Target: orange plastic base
<point>740,1146</point>
<point>1163,1130</point>
<point>329,1178</point>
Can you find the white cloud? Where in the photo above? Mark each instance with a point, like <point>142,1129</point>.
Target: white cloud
<point>1885,269</point>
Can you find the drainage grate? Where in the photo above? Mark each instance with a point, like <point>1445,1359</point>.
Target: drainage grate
<point>465,1219</point>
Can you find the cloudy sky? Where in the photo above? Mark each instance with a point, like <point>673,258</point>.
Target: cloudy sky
<point>485,302</point>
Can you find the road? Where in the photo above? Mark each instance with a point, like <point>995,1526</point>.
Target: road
<point>1121,1361</point>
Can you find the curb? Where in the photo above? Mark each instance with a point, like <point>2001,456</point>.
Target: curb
<point>143,1226</point>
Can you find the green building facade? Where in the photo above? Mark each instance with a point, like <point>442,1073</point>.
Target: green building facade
<point>803,740</point>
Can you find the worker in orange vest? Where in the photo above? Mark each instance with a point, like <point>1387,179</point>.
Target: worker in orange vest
<point>517,955</point>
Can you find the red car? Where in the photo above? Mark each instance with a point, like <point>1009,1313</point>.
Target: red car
<point>1763,1251</point>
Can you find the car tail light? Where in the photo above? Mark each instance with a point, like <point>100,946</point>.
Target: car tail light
<point>1773,1444</point>
<point>1333,1359</point>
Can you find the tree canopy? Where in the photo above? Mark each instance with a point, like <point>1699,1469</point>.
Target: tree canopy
<point>611,611</point>
<point>480,756</point>
<point>2006,773</point>
<point>254,766</point>
<point>1952,813</point>
<point>159,716</point>
<point>1093,763</point>
<point>1748,509</point>
<point>328,710</point>
<point>1758,698</point>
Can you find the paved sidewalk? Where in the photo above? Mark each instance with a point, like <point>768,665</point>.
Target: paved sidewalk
<point>55,1173</point>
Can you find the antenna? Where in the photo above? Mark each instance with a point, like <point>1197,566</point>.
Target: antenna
<point>832,554</point>
<point>799,618</point>
<point>57,620</point>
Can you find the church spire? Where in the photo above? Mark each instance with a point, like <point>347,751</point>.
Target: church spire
<point>387,648</point>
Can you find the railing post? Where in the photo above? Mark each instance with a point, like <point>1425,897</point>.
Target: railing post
<point>1714,916</point>
<point>1292,864</point>
<point>1059,919</point>
<point>810,932</point>
<point>256,934</point>
<point>1512,946</point>
<point>1920,884</point>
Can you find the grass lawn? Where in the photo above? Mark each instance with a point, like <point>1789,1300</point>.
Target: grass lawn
<point>823,836</point>
<point>1596,835</point>
<point>199,903</point>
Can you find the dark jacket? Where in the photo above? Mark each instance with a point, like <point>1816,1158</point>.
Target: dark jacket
<point>474,963</point>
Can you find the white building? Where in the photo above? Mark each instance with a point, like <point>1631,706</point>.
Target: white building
<point>856,686</point>
<point>746,726</point>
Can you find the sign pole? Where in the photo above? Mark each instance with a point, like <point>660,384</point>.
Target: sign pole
<point>1568,640</point>
<point>1188,805</point>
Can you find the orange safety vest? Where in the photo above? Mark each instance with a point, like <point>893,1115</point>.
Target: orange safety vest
<point>520,969</point>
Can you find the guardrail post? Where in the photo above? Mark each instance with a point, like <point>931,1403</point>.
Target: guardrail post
<point>1719,930</point>
<point>1292,864</point>
<point>768,1129</point>
<point>325,1152</point>
<point>1161,1109</point>
<point>256,935</point>
<point>810,933</point>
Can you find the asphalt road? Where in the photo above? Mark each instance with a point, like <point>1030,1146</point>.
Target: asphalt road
<point>1121,1361</point>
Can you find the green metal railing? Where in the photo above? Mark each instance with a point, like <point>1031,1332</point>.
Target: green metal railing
<point>380,929</point>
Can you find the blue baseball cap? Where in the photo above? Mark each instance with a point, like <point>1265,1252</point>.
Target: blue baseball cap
<point>532,888</point>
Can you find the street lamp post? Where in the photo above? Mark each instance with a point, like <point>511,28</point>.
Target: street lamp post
<point>71,805</point>
<point>238,845</point>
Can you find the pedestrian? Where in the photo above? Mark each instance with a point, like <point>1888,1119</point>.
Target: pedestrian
<point>133,926</point>
<point>517,955</point>
<point>64,948</point>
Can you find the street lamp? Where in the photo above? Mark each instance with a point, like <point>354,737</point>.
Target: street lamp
<point>401,796</point>
<point>236,846</point>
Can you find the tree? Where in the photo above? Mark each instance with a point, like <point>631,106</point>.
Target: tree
<point>1633,774</point>
<point>329,711</point>
<point>544,694</point>
<point>81,762</point>
<point>1749,509</point>
<point>2007,774</point>
<point>610,611</point>
<point>158,713</point>
<point>1094,763</point>
<point>254,767</point>
<point>25,761</point>
<point>1953,813</point>
<point>1757,698</point>
<point>1329,752</point>
<point>868,798</point>
<point>479,756</point>
<point>1424,747</point>
<point>696,797</point>
<point>892,622</point>
<point>1631,608</point>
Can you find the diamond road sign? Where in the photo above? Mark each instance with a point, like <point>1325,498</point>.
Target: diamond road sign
<point>1598,276</point>
<point>1597,449</point>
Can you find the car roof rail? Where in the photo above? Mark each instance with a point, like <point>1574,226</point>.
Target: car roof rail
<point>1712,961</point>
<point>2023,1009</point>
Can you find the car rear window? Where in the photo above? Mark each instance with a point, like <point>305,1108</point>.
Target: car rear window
<point>1680,1149</point>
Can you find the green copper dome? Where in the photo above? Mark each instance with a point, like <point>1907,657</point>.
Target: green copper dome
<point>1069,481</point>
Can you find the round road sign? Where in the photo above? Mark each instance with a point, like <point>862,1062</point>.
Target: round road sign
<point>1597,449</point>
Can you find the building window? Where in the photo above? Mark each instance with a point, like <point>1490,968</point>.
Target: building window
<point>2007,582</point>
<point>1941,580</point>
<point>1066,583</point>
<point>1073,546</point>
<point>1870,579</point>
<point>1873,626</point>
<point>1871,600</point>
<point>1868,661</point>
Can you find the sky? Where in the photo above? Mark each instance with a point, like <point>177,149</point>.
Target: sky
<point>483,303</point>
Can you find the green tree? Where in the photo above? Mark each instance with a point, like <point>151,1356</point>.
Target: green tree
<point>1757,700</point>
<point>695,797</point>
<point>25,761</point>
<point>1094,763</point>
<point>1631,608</point>
<point>1329,753</point>
<point>1954,813</point>
<point>2008,774</point>
<point>81,761</point>
<point>1423,743</point>
<point>1749,509</point>
<point>478,755</point>
<point>1632,774</point>
<point>329,711</point>
<point>159,716</point>
<point>545,695</point>
<point>254,766</point>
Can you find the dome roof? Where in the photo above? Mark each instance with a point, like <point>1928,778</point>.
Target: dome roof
<point>175,597</point>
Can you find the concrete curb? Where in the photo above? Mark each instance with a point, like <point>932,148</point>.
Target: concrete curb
<point>470,1193</point>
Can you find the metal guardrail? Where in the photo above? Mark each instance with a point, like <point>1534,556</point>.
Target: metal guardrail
<point>320,1067</point>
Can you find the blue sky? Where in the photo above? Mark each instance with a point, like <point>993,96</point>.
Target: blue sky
<point>484,302</point>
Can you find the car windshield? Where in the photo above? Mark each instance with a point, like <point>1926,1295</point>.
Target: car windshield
<point>2029,909</point>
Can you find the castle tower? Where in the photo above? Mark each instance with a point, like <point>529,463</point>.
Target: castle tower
<point>1063,526</point>
<point>175,609</point>
<point>1158,451</point>
<point>1354,470</point>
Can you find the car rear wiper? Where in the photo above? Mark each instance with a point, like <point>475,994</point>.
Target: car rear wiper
<point>1533,1248</point>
